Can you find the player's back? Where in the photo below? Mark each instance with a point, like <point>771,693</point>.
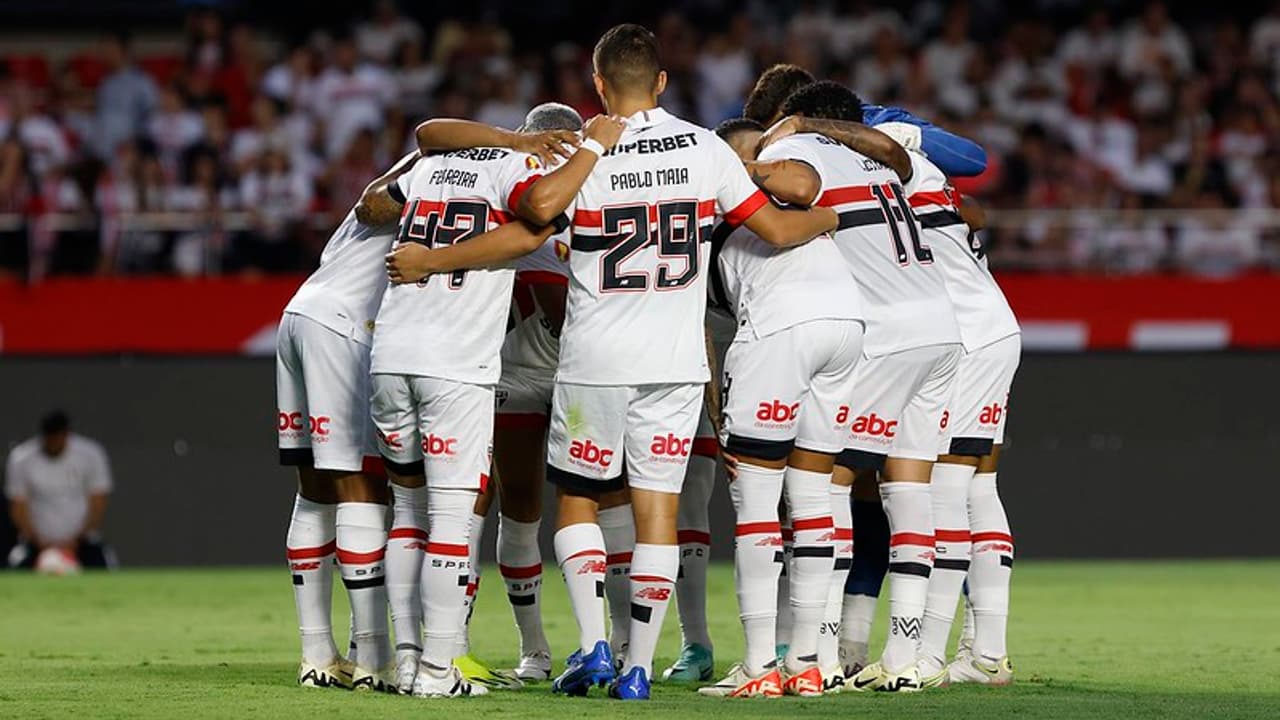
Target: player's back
<point>343,294</point>
<point>982,313</point>
<point>451,326</point>
<point>532,340</point>
<point>905,298</point>
<point>638,266</point>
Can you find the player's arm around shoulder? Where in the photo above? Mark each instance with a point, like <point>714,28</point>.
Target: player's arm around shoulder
<point>447,134</point>
<point>774,225</point>
<point>854,135</point>
<point>548,197</point>
<point>413,262</point>
<point>382,199</point>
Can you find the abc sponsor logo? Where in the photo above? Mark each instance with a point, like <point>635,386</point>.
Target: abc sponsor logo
<point>776,413</point>
<point>877,428</point>
<point>670,448</point>
<point>439,446</point>
<point>991,414</point>
<point>588,454</point>
<point>295,424</point>
<point>391,440</point>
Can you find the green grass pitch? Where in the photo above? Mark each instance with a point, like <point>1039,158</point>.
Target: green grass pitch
<point>1089,640</point>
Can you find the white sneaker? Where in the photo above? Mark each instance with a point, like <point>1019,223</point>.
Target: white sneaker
<point>406,670</point>
<point>336,674</point>
<point>738,683</point>
<point>853,656</point>
<point>981,671</point>
<point>933,674</point>
<point>433,683</point>
<point>833,679</point>
<point>534,666</point>
<point>383,680</point>
<point>875,677</point>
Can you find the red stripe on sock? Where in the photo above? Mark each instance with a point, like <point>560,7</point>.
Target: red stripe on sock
<point>349,557</point>
<point>812,523</point>
<point>651,579</point>
<point>617,558</point>
<point>706,447</point>
<point>843,533</point>
<point>438,548</point>
<point>585,553</point>
<point>911,539</point>
<point>992,537</point>
<point>757,528</point>
<point>407,532</point>
<point>311,552</point>
<point>520,573</point>
<point>693,536</point>
<point>951,535</point>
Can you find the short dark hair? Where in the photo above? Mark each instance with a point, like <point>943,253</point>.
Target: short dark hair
<point>552,116</point>
<point>55,422</point>
<point>824,99</point>
<point>772,89</point>
<point>627,58</point>
<point>731,126</point>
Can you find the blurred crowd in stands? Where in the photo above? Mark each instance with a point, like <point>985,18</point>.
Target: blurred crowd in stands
<point>238,153</point>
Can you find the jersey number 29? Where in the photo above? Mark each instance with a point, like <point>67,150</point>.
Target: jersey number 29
<point>629,228</point>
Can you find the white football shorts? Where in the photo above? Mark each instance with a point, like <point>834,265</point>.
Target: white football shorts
<point>897,408</point>
<point>440,428</point>
<point>979,407</point>
<point>595,429</point>
<point>322,398</point>
<point>786,389</point>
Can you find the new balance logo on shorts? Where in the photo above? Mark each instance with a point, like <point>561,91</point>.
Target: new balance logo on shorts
<point>776,413</point>
<point>292,424</point>
<point>588,453</point>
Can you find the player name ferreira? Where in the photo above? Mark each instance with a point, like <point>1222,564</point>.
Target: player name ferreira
<point>649,178</point>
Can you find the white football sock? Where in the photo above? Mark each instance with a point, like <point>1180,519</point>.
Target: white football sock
<point>991,568</point>
<point>446,572</point>
<point>695,550</point>
<point>362,544</point>
<point>618,527</point>
<point>520,562</point>
<point>784,578</point>
<point>405,545</point>
<point>842,540</point>
<point>475,531</point>
<point>949,487</point>
<point>757,560</point>
<point>858,615</point>
<point>653,576</point>
<point>309,549</point>
<point>812,560</point>
<point>909,508</point>
<point>580,553</point>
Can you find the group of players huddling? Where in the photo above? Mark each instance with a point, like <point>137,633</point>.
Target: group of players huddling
<point>504,302</point>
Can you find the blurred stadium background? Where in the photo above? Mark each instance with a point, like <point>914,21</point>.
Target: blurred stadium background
<point>170,170</point>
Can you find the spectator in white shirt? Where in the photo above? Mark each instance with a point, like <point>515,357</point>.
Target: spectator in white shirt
<point>1092,46</point>
<point>946,58</point>
<point>57,486</point>
<point>1152,43</point>
<point>380,36</point>
<point>173,128</point>
<point>349,97</point>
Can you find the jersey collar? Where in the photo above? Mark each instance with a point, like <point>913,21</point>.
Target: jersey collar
<point>648,118</point>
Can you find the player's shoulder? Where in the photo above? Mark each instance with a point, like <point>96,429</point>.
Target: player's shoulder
<point>24,450</point>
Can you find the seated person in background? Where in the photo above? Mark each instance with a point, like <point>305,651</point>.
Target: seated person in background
<point>57,486</point>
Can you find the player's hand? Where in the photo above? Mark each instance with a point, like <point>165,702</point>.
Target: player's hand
<point>409,263</point>
<point>605,129</point>
<point>548,146</point>
<point>730,465</point>
<point>786,127</point>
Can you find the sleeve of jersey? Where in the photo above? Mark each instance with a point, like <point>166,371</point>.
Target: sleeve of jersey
<point>737,196</point>
<point>398,189</point>
<point>954,155</point>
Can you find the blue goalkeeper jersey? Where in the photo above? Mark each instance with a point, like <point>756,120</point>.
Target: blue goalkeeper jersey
<point>952,154</point>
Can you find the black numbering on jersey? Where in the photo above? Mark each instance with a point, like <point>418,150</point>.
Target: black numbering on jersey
<point>897,213</point>
<point>677,239</point>
<point>460,220</point>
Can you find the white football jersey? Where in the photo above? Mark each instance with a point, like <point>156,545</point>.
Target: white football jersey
<point>768,288</point>
<point>451,326</point>
<point>638,260</point>
<point>982,312</point>
<point>531,341</point>
<point>344,292</point>
<point>904,297</point>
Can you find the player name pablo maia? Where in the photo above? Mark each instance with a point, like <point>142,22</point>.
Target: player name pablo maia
<point>649,178</point>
